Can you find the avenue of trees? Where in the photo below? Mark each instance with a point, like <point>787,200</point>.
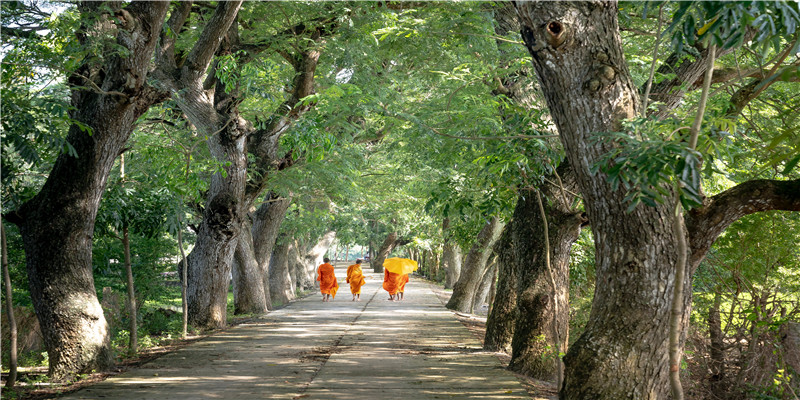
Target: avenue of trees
<point>618,182</point>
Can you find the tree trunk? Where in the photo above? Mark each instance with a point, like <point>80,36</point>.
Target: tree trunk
<point>503,315</point>
<point>133,343</point>
<point>482,294</point>
<point>249,295</point>
<point>300,274</point>
<point>451,257</point>
<point>218,234</point>
<point>474,267</point>
<point>534,343</point>
<point>717,347</point>
<point>313,258</point>
<point>251,284</point>
<point>281,286</point>
<point>388,245</point>
<point>579,62</point>
<point>12,322</point>
<point>58,223</point>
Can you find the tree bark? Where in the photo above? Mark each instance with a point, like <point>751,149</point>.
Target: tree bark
<point>281,285</point>
<point>534,344</point>
<point>578,58</point>
<point>388,245</point>
<point>504,313</point>
<point>465,289</point>
<point>451,257</point>
<point>249,294</point>
<point>300,274</point>
<point>12,322</point>
<point>57,224</point>
<point>209,109</point>
<point>251,284</point>
<point>487,281</point>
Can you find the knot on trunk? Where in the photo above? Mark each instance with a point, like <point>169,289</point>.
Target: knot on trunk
<point>222,215</point>
<point>602,74</point>
<point>556,34</point>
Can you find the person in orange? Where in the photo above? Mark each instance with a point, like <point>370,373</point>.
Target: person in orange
<point>327,280</point>
<point>395,284</point>
<point>401,290</point>
<point>355,277</point>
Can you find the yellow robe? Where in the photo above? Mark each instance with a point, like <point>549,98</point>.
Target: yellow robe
<point>327,280</point>
<point>355,278</point>
<point>394,283</point>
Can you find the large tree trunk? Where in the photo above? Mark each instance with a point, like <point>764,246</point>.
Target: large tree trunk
<point>534,344</point>
<point>474,267</point>
<point>249,295</point>
<point>302,279</point>
<point>217,238</point>
<point>578,58</point>
<point>267,222</point>
<point>502,318</point>
<point>388,245</point>
<point>487,281</point>
<point>451,257</point>
<point>58,223</point>
<point>281,286</point>
<point>251,284</point>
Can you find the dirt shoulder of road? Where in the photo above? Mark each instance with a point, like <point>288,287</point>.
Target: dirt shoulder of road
<point>476,323</point>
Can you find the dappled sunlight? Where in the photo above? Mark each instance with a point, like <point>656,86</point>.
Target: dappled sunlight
<point>329,351</point>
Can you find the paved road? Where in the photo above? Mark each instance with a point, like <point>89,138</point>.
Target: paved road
<point>373,349</point>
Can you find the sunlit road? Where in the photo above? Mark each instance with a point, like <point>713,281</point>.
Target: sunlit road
<point>373,349</point>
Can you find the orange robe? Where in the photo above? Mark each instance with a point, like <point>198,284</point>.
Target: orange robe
<point>327,280</point>
<point>355,278</point>
<point>394,283</point>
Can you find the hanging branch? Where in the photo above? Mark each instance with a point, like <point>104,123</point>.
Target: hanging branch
<point>551,275</point>
<point>679,230</point>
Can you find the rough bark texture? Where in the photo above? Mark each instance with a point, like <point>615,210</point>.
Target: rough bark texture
<point>249,296</point>
<point>388,245</point>
<point>214,113</point>
<point>267,222</point>
<point>482,294</point>
<point>57,224</point>
<point>474,267</point>
<point>297,267</point>
<point>706,223</point>
<point>451,257</point>
<point>534,344</point>
<point>578,58</point>
<point>281,286</point>
<point>502,318</point>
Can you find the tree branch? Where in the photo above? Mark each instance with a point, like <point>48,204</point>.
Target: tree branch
<point>706,223</point>
<point>670,92</point>
<point>205,47</point>
<point>165,55</point>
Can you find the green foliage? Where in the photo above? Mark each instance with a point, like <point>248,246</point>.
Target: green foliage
<point>725,23</point>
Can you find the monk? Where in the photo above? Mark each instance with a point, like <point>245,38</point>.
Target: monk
<point>355,277</point>
<point>395,284</point>
<point>327,280</point>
